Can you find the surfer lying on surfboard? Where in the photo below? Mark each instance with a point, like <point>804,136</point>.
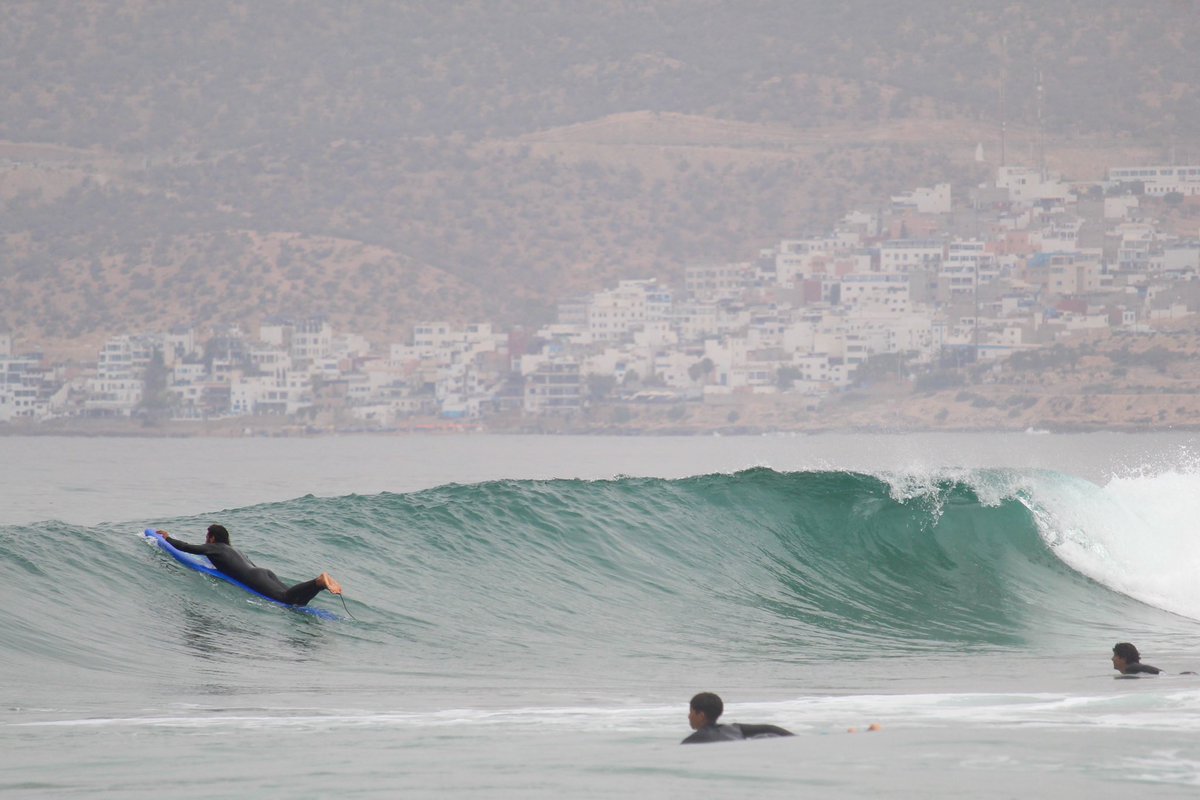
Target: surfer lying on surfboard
<point>232,563</point>
<point>704,711</point>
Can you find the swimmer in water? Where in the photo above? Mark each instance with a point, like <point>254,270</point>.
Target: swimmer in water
<point>232,563</point>
<point>703,713</point>
<point>1128,661</point>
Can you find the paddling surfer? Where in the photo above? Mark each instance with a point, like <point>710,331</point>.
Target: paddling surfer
<point>235,565</point>
<point>1128,661</point>
<point>704,711</point>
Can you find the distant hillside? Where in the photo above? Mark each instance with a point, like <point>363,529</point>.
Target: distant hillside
<point>500,229</point>
<point>227,277</point>
<point>152,77</point>
<point>490,159</point>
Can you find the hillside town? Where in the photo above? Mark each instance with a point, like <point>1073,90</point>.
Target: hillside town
<point>930,281</point>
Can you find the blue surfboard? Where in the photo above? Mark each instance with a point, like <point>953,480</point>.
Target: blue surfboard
<point>202,564</point>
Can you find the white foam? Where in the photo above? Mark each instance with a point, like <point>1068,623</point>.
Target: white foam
<point>1137,534</point>
<point>1174,710</point>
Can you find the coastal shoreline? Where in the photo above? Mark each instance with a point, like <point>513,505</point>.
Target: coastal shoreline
<point>882,421</point>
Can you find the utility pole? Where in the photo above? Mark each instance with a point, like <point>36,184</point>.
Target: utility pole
<point>1003,100</point>
<point>976,333</point>
<point>1041,130</point>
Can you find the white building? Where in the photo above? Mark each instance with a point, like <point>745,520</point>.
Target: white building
<point>695,321</point>
<point>120,376</point>
<point>1061,235</point>
<point>304,341</point>
<point>905,255</point>
<point>964,269</point>
<point>711,282</point>
<point>801,259</point>
<point>20,377</point>
<point>619,362</point>
<point>1075,275</point>
<point>553,387</point>
<point>614,313</point>
<point>925,200</point>
<point>1027,186</point>
<point>821,372</point>
<point>1160,179</point>
<point>311,339</point>
<point>1136,241</point>
<point>430,336</point>
<point>257,394</point>
<point>1181,257</point>
<point>876,293</point>
<point>349,345</point>
<point>1118,207</point>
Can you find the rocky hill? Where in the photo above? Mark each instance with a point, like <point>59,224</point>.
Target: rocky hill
<point>380,163</point>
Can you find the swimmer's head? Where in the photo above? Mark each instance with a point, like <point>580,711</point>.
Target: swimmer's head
<point>217,535</point>
<point>1124,654</point>
<point>705,709</point>
<point>1127,651</point>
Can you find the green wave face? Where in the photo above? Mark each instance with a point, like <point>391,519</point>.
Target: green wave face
<point>755,566</point>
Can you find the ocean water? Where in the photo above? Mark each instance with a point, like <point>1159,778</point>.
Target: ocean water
<point>528,616</point>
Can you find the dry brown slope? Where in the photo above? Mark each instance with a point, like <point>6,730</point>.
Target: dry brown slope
<point>189,280</point>
<point>648,136</point>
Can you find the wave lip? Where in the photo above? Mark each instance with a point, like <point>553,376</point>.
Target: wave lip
<point>1135,535</point>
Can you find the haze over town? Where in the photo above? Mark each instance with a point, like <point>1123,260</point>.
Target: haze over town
<point>670,216</point>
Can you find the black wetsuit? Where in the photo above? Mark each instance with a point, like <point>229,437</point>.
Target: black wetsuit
<point>232,563</point>
<point>1138,667</point>
<point>734,732</point>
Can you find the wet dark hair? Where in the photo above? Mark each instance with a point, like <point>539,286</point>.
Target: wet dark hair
<point>219,533</point>
<point>1127,652</point>
<point>709,705</point>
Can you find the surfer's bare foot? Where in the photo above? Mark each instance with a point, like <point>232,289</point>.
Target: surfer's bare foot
<point>328,583</point>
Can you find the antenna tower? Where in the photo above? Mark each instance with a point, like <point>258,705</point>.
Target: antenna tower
<point>1003,100</point>
<point>1041,131</point>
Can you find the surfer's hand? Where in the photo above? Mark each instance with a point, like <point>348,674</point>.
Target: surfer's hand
<point>163,534</point>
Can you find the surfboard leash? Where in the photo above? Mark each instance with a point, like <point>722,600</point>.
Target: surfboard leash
<point>343,599</point>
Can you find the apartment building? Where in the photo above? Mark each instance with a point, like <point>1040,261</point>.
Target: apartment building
<point>554,387</point>
<point>901,256</point>
<point>1159,179</point>
<point>21,380</point>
